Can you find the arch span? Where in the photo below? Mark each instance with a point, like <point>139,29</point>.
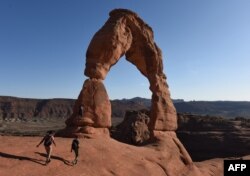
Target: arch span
<point>124,33</point>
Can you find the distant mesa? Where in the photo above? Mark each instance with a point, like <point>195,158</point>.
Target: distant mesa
<point>23,109</point>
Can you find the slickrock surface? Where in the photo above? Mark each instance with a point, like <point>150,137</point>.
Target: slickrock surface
<point>19,156</point>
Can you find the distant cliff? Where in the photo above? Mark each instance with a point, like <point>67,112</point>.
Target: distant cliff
<point>13,108</point>
<point>25,108</point>
<point>207,137</point>
<point>216,108</point>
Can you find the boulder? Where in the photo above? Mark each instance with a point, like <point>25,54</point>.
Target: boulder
<point>134,128</point>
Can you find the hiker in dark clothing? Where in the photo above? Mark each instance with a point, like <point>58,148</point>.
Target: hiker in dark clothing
<point>75,147</point>
<point>47,141</point>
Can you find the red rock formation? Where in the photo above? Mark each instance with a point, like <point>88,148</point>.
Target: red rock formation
<point>96,106</point>
<point>134,128</point>
<point>92,111</point>
<point>123,34</point>
<point>126,34</point>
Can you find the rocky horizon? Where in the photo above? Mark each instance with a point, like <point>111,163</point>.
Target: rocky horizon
<point>27,108</point>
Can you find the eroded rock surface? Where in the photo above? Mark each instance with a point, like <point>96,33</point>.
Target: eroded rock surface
<point>92,111</point>
<point>96,107</point>
<point>134,128</point>
<point>125,33</point>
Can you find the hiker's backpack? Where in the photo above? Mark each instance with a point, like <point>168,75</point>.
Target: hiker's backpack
<point>48,141</point>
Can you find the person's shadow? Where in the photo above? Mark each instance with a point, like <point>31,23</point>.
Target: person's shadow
<point>6,155</point>
<point>57,158</point>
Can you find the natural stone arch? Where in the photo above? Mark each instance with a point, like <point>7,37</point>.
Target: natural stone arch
<point>124,33</point>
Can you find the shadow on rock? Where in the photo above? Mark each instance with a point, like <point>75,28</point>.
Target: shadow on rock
<point>57,158</point>
<point>11,156</point>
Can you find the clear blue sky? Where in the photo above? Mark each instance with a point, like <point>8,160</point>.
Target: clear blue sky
<point>205,45</point>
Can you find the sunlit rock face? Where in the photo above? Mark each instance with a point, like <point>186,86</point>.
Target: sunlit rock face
<point>124,33</point>
<point>92,108</point>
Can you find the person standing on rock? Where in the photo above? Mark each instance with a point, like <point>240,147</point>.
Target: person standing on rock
<point>47,142</point>
<point>75,147</point>
<point>80,113</point>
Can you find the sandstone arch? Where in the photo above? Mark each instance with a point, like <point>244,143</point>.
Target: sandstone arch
<point>124,33</point>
